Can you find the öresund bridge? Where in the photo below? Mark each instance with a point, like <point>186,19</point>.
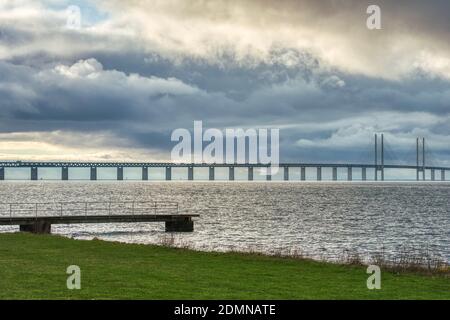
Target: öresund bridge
<point>437,173</point>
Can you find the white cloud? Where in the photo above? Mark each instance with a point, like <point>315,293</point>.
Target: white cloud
<point>91,73</point>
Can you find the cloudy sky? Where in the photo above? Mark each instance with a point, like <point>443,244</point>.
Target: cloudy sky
<point>116,88</point>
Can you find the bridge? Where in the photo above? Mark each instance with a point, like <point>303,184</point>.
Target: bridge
<point>38,217</point>
<point>378,167</point>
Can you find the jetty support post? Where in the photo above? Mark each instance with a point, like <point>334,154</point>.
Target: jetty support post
<point>184,224</point>
<point>39,227</point>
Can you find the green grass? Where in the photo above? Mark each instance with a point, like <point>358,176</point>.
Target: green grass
<point>34,267</point>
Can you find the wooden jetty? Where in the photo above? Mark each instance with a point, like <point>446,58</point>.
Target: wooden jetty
<point>38,217</point>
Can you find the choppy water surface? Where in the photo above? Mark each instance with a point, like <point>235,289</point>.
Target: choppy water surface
<point>316,219</point>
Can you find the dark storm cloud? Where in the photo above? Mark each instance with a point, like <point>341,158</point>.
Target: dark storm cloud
<point>311,68</point>
<point>144,110</point>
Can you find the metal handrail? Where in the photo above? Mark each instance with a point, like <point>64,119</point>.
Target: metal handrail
<point>18,209</point>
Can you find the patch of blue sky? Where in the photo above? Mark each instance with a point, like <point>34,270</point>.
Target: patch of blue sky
<point>90,13</point>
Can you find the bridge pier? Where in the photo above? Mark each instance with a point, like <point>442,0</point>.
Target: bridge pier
<point>120,173</point>
<point>250,173</point>
<point>34,173</point>
<point>231,174</point>
<point>303,173</point>
<point>364,174</point>
<point>334,174</point>
<point>286,173</point>
<point>2,173</point>
<point>144,173</point>
<point>442,175</point>
<point>40,227</point>
<point>433,175</point>
<point>93,173</point>
<point>349,174</point>
<point>190,173</point>
<point>180,225</point>
<point>211,173</point>
<point>65,173</point>
<point>168,173</point>
<point>269,174</point>
<point>381,170</point>
<point>319,173</point>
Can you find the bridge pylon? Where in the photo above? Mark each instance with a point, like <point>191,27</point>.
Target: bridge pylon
<point>379,167</point>
<point>420,158</point>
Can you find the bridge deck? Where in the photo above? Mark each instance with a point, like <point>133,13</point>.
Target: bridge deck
<point>72,164</point>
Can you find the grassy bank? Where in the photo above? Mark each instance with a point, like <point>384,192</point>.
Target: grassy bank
<point>34,267</point>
